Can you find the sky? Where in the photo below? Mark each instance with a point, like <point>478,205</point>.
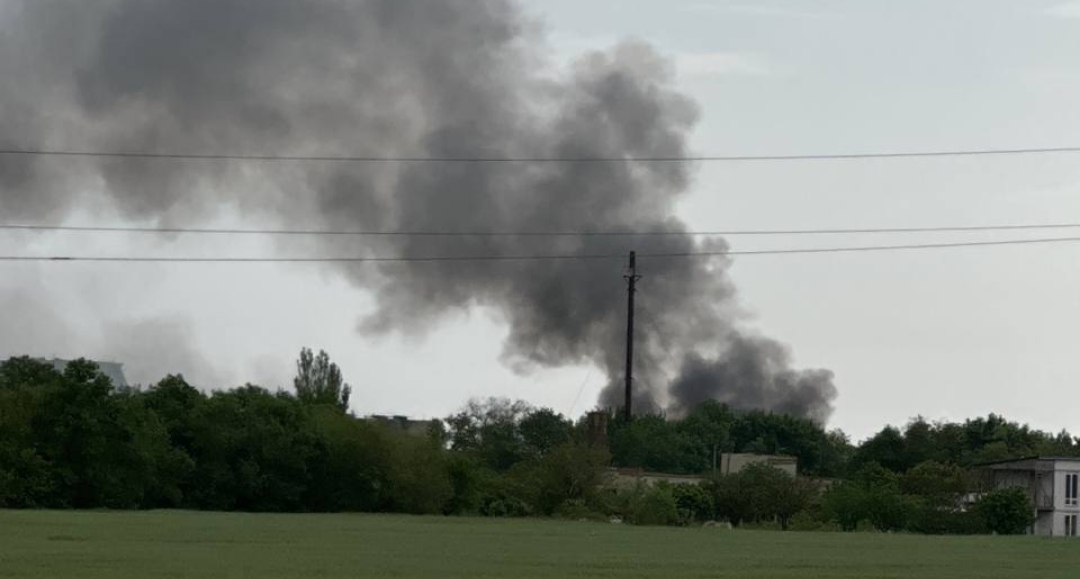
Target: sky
<point>944,334</point>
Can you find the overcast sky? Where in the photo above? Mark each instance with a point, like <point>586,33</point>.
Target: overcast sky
<point>944,334</point>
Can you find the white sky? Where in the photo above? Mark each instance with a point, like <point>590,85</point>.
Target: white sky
<point>945,334</point>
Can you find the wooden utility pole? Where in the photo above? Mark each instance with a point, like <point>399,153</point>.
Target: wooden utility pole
<point>631,278</point>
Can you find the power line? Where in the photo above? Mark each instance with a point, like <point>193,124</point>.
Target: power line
<point>523,258</point>
<point>496,159</point>
<point>582,233</point>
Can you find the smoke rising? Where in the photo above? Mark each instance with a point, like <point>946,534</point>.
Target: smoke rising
<point>455,78</point>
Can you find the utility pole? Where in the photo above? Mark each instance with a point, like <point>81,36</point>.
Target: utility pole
<point>631,278</point>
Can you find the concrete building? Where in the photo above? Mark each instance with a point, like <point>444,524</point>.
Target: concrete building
<point>114,371</point>
<point>628,478</point>
<point>731,463</point>
<point>1051,484</point>
<point>726,464</point>
<point>406,424</point>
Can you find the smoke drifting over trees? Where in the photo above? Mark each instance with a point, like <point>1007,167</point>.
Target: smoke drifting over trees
<point>455,78</point>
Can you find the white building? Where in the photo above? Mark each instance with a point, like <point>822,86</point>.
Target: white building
<point>112,370</point>
<point>1051,484</point>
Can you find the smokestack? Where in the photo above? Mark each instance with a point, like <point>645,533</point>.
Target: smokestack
<point>596,426</point>
<point>412,78</point>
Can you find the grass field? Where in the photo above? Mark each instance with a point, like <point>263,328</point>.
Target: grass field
<point>184,544</point>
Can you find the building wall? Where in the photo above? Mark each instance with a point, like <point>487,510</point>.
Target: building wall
<point>1044,524</point>
<point>731,463</point>
<point>1062,468</point>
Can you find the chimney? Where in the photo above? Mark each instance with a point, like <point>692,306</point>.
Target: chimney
<point>596,425</point>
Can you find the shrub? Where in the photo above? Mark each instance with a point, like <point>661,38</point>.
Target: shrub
<point>845,504</point>
<point>1006,511</point>
<point>693,501</point>
<point>654,505</point>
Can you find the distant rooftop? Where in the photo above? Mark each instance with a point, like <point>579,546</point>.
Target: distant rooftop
<point>114,371</point>
<point>1027,463</point>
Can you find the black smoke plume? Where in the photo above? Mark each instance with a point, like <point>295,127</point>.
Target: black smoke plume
<point>453,78</point>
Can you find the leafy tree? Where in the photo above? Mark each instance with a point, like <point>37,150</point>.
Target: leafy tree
<point>570,472</point>
<point>1006,511</point>
<point>654,505</point>
<point>319,381</point>
<point>419,480</point>
<point>351,463</point>
<point>657,444</point>
<point>885,448</point>
<point>846,504</point>
<point>694,502</point>
<point>542,430</point>
<point>26,479</point>
<point>253,451</point>
<point>489,430</point>
<point>760,492</point>
<point>939,485</point>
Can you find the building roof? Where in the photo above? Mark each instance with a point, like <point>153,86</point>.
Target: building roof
<point>1027,462</point>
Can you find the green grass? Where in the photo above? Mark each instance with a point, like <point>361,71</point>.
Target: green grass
<point>207,545</point>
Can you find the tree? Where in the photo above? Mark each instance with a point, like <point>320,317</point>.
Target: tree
<point>1006,511</point>
<point>845,504</point>
<point>319,381</point>
<point>654,505</point>
<point>694,502</point>
<point>253,451</point>
<point>885,448</point>
<point>351,465</point>
<point>940,485</point>
<point>760,492</point>
<point>570,472</point>
<point>543,430</point>
<point>489,430</point>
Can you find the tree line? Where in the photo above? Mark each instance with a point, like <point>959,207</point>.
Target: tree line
<point>71,439</point>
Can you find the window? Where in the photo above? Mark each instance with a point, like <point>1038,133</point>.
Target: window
<point>1070,525</point>
<point>1070,488</point>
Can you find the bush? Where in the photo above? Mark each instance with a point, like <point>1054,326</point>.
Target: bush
<point>654,505</point>
<point>807,520</point>
<point>759,493</point>
<point>578,509</point>
<point>506,507</point>
<point>694,502</point>
<point>845,504</point>
<point>1006,511</point>
<point>931,520</point>
<point>887,509</point>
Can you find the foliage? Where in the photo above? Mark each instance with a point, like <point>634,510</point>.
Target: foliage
<point>689,445</point>
<point>963,444</point>
<point>319,381</point>
<point>695,504</point>
<point>1006,511</point>
<point>71,440</point>
<point>654,505</point>
<point>759,493</point>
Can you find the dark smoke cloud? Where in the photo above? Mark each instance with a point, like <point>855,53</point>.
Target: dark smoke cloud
<point>451,78</point>
<point>752,373</point>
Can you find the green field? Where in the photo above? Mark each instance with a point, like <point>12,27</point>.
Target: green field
<point>184,544</point>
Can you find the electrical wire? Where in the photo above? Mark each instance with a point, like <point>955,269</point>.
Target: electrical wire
<point>523,258</point>
<point>495,159</point>
<point>583,233</point>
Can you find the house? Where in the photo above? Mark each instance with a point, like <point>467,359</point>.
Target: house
<point>728,463</point>
<point>114,371</point>
<point>407,425</point>
<point>628,478</point>
<point>1051,484</point>
<point>731,463</point>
